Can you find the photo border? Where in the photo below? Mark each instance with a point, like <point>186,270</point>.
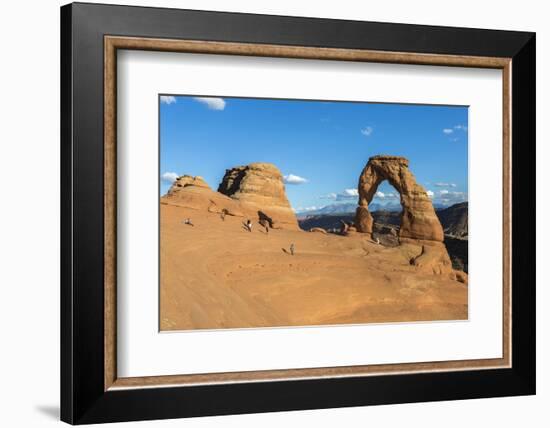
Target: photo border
<point>114,43</point>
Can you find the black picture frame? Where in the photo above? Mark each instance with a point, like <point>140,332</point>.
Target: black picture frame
<point>83,398</point>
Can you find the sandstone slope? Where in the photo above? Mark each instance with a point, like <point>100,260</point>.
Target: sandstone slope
<point>218,273</point>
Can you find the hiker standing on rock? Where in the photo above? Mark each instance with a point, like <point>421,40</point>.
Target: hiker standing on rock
<point>249,225</point>
<point>291,249</point>
<point>265,225</point>
<point>345,227</point>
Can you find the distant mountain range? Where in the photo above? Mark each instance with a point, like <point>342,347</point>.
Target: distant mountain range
<point>455,220</point>
<point>343,208</point>
<point>350,207</point>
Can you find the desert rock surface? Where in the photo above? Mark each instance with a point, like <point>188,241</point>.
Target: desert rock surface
<point>217,272</point>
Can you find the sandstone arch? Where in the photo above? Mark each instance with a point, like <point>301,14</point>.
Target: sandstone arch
<point>418,218</point>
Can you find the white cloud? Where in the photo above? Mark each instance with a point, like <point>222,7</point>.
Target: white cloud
<point>211,102</point>
<point>386,195</point>
<point>451,132</point>
<point>305,209</point>
<point>167,99</point>
<point>450,198</point>
<point>441,184</point>
<point>294,179</point>
<point>446,197</point>
<point>351,192</point>
<point>367,131</point>
<point>345,194</point>
<point>169,177</point>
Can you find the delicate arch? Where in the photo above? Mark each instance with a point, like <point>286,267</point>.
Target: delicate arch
<point>418,218</point>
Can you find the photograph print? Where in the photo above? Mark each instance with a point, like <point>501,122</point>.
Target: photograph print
<point>288,213</point>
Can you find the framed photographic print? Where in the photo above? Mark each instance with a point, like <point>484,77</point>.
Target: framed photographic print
<point>265,213</point>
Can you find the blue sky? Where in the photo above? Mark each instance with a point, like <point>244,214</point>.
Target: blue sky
<point>320,147</point>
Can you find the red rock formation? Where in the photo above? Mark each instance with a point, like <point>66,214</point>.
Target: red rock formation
<point>260,187</point>
<point>187,180</point>
<point>418,219</point>
<point>255,191</point>
<point>318,230</point>
<point>420,232</point>
<point>194,192</point>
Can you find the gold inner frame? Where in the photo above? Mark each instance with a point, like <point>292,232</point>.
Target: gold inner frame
<point>113,43</point>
